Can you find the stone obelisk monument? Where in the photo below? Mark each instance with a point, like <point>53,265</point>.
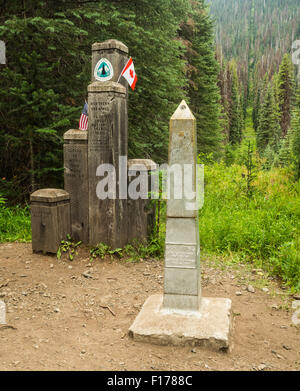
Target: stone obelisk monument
<point>181,316</point>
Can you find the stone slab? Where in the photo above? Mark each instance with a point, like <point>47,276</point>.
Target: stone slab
<point>181,281</point>
<point>210,328</point>
<point>182,303</point>
<point>182,247</point>
<point>181,231</point>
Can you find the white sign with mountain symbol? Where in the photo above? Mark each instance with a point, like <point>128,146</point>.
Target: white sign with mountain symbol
<point>103,70</point>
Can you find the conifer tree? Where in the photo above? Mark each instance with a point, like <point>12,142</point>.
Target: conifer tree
<point>202,73</point>
<point>285,92</point>
<point>256,106</point>
<point>268,131</point>
<point>284,156</point>
<point>235,106</point>
<point>222,83</point>
<point>295,133</point>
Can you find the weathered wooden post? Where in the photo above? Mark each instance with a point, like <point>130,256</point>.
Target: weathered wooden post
<point>107,141</point>
<point>140,212</point>
<point>181,315</point>
<point>108,61</point>
<point>2,53</point>
<point>76,182</point>
<point>95,162</point>
<point>50,219</point>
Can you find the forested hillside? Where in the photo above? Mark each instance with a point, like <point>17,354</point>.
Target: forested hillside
<point>256,30</point>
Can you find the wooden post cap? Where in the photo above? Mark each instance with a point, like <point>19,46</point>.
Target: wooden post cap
<point>49,195</point>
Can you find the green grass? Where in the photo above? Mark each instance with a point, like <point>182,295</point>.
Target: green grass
<point>263,229</point>
<point>14,223</point>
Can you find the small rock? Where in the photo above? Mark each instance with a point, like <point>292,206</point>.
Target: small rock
<point>86,274</point>
<point>286,347</point>
<point>261,367</point>
<point>250,289</point>
<point>56,310</point>
<point>277,354</point>
<point>194,350</point>
<point>83,351</point>
<point>146,274</point>
<point>51,266</point>
<point>296,297</point>
<point>275,307</point>
<point>238,293</point>
<point>266,290</point>
<point>70,267</point>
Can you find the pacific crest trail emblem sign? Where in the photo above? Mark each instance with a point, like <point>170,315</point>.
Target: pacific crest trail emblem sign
<point>103,70</point>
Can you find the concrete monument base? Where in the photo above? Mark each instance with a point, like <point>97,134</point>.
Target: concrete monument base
<point>210,327</point>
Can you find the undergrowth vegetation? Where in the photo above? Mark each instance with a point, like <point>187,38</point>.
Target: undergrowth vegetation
<point>14,223</point>
<point>262,228</point>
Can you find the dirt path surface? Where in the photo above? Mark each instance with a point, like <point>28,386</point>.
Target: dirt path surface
<point>64,315</point>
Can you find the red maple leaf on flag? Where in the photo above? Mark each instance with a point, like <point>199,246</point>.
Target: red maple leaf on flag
<point>129,74</point>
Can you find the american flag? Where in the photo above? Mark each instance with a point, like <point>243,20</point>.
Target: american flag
<point>83,122</point>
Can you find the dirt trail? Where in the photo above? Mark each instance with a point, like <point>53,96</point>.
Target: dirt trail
<point>75,316</point>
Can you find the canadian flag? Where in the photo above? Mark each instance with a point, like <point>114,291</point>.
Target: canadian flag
<point>129,73</point>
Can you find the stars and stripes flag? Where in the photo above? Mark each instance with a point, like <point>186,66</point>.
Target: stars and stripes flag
<point>83,122</point>
<point>129,73</point>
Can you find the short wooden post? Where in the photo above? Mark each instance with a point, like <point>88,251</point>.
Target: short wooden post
<point>50,219</point>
